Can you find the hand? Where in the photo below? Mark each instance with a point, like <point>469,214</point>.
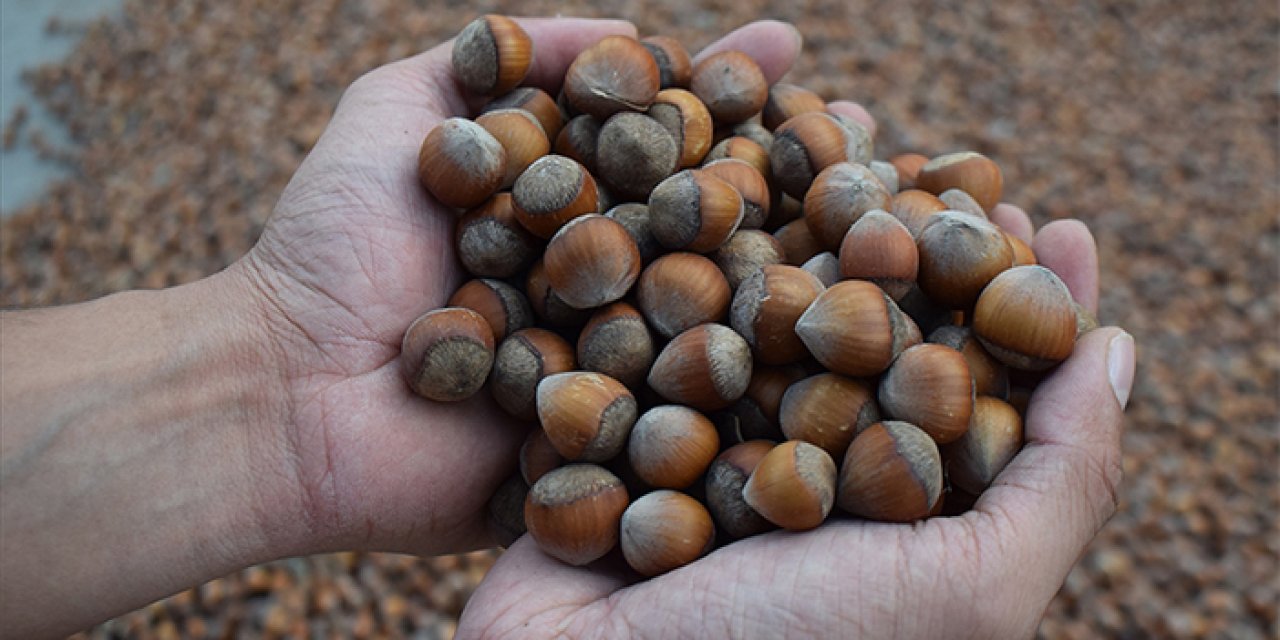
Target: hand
<point>986,574</point>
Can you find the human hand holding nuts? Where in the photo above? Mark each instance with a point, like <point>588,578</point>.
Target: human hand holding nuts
<point>562,242</point>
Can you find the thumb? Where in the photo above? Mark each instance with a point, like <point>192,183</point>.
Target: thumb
<point>1055,495</point>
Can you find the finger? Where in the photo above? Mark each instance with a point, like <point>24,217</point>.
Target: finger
<point>557,41</point>
<point>1013,220</point>
<point>1055,495</point>
<point>1066,247</point>
<point>855,111</point>
<point>772,44</point>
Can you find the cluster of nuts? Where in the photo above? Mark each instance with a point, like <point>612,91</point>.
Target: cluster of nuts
<point>744,320</point>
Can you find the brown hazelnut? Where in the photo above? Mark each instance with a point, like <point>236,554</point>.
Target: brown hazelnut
<point>552,191</point>
<point>617,343</point>
<point>675,68</point>
<point>750,130</point>
<point>634,217</point>
<point>681,290</point>
<point>929,385</point>
<point>993,439</point>
<point>491,243</point>
<point>840,194</point>
<point>634,153</point>
<point>664,530</point>
<point>856,329</point>
<point>706,367</point>
<point>732,86</point>
<point>746,251</point>
<point>461,164</point>
<point>506,510</point>
<point>786,101</point>
<point>957,200</point>
<point>521,362</point>
<point>694,211</point>
<point>502,305</point>
<point>587,415</point>
<point>908,166</point>
<point>887,173</point>
<point>1026,318</point>
<point>810,142</point>
<point>798,242</point>
<point>671,446</point>
<point>574,512</point>
<point>915,209</point>
<point>547,304</point>
<point>591,261</point>
<point>579,140</point>
<point>688,122</point>
<point>535,101</point>
<point>766,307</point>
<point>754,416</point>
<point>538,456</point>
<point>827,410</point>
<point>521,136</point>
<point>726,476</point>
<point>793,486</point>
<point>447,353</point>
<point>1022,253</point>
<point>959,254</point>
<point>744,149</point>
<point>825,267</point>
<point>969,171</point>
<point>990,377</point>
<point>615,74</point>
<point>492,55</point>
<point>892,472</point>
<point>751,186</point>
<point>880,249</point>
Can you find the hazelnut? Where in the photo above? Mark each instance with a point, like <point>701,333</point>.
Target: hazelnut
<point>615,74</point>
<point>751,130</point>
<point>855,329</point>
<point>793,486</point>
<point>825,267</point>
<point>969,171</point>
<point>732,86</point>
<point>591,261</point>
<point>579,140</point>
<point>535,101</point>
<point>461,164</point>
<point>521,362</point>
<point>688,122</point>
<point>827,410</point>
<point>808,143</point>
<point>664,530</point>
<point>492,55</point>
<point>587,415</point>
<point>447,353</point>
<point>675,68</point>
<point>929,385</point>
<point>547,304</point>
<point>786,101</point>
<point>993,439</point>
<point>506,510</point>
<point>1022,252</point>
<point>671,446</point>
<point>766,307</point>
<point>502,305</point>
<point>706,367</point>
<point>887,173</point>
<point>552,191</point>
<point>617,343</point>
<point>754,416</point>
<point>990,377</point>
<point>746,251</point>
<point>892,472</point>
<point>521,136</point>
<point>726,476</point>
<point>750,185</point>
<point>681,290</point>
<point>957,200</point>
<point>784,210</point>
<point>840,194</point>
<point>694,211</point>
<point>574,512</point>
<point>634,217</point>
<point>915,209</point>
<point>491,243</point>
<point>880,249</point>
<point>798,242</point>
<point>634,153</point>
<point>908,166</point>
<point>1026,318</point>
<point>538,456</point>
<point>959,254</point>
<point>744,149</point>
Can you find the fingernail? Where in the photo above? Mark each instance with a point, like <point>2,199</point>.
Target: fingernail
<point>1120,367</point>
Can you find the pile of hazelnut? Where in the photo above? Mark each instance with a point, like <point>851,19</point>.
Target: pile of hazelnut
<point>723,315</point>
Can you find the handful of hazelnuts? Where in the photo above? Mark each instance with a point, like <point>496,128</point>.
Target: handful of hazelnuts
<point>723,314</point>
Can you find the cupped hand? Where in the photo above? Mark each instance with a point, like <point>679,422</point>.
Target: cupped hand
<point>986,574</point>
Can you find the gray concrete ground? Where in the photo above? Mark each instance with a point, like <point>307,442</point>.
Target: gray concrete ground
<point>26,43</point>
